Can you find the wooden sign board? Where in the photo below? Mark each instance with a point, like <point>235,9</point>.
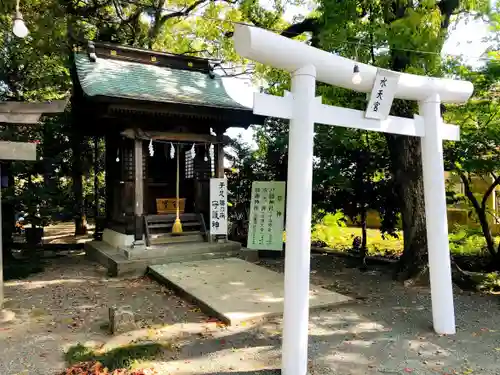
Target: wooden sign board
<point>382,96</point>
<point>169,205</point>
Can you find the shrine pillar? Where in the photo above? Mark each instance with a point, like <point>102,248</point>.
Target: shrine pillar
<point>139,192</point>
<point>219,163</point>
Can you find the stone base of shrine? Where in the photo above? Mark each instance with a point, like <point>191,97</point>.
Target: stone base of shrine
<point>235,291</point>
<point>134,261</point>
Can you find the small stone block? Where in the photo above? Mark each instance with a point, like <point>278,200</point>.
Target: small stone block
<point>121,319</point>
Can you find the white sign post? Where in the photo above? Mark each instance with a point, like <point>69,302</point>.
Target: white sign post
<point>306,65</point>
<point>218,207</point>
<point>267,214</point>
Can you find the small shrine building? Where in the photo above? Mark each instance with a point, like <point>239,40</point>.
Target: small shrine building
<point>156,111</point>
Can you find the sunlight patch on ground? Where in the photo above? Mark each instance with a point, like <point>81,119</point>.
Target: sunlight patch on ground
<point>247,359</point>
<point>41,284</point>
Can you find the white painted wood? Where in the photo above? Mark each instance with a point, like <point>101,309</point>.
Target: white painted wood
<point>382,95</point>
<point>298,223</point>
<point>282,107</point>
<point>273,106</point>
<point>306,64</point>
<point>280,52</point>
<point>17,151</point>
<point>443,314</point>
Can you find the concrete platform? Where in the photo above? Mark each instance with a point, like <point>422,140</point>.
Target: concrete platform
<point>234,290</point>
<point>121,262</point>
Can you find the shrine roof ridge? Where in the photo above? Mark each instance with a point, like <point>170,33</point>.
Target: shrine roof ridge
<point>146,56</point>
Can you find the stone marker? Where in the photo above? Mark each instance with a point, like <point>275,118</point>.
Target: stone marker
<point>121,319</point>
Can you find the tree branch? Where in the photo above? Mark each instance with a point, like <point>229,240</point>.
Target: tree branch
<point>489,191</point>
<point>307,25</point>
<point>182,13</point>
<point>447,9</point>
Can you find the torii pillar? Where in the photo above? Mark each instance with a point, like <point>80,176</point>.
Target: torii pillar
<point>306,65</point>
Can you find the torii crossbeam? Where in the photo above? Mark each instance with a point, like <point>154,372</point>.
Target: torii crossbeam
<point>306,65</point>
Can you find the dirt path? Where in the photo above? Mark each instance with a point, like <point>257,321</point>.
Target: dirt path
<point>387,330</point>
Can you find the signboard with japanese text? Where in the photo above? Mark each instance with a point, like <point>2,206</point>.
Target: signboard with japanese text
<point>218,206</point>
<point>267,211</point>
<point>382,96</point>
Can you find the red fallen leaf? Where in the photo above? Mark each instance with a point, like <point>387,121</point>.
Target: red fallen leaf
<point>407,369</point>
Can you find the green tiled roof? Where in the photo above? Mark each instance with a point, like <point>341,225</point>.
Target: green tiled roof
<point>132,80</point>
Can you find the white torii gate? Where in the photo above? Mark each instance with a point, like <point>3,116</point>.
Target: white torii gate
<point>27,114</point>
<point>308,64</point>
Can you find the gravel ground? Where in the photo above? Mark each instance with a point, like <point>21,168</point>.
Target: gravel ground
<point>387,330</point>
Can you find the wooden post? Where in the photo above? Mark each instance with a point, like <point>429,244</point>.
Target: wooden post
<point>110,173</point>
<point>219,171</point>
<point>97,221</point>
<point>139,192</point>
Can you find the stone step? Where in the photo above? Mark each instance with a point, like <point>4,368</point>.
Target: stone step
<point>169,238</point>
<point>134,262</point>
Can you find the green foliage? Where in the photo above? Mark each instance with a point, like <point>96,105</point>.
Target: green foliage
<point>478,152</point>
<point>329,228</point>
<point>354,171</point>
<point>119,358</point>
<point>336,235</point>
<point>467,242</point>
<point>489,282</point>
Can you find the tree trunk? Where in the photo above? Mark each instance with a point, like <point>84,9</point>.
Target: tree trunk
<point>363,232</point>
<point>405,153</point>
<point>364,249</point>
